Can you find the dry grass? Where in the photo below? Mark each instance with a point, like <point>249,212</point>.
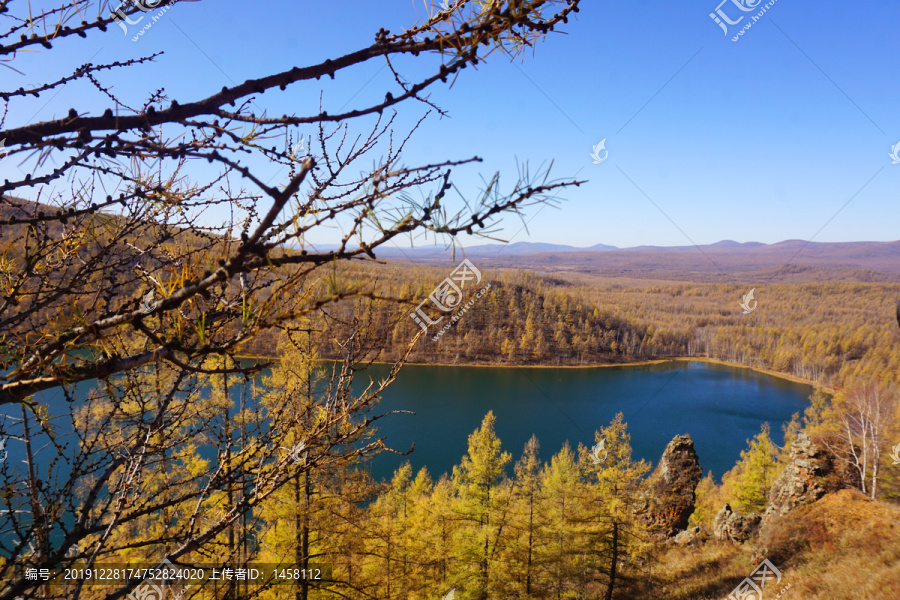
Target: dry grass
<point>704,572</point>
<point>843,547</point>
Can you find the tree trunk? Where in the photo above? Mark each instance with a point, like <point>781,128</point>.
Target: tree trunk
<point>530,544</point>
<point>613,561</point>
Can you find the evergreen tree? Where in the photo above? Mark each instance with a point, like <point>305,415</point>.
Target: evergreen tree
<point>748,483</point>
<point>710,498</point>
<point>558,526</point>
<point>479,505</point>
<point>521,567</point>
<point>389,535</point>
<point>615,536</point>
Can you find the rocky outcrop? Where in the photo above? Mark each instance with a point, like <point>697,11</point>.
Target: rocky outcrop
<point>813,472</point>
<point>730,526</point>
<point>668,500</point>
<point>690,537</point>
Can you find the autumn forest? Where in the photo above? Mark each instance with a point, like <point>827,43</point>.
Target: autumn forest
<point>212,228</point>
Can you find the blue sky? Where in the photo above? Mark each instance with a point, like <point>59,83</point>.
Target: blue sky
<point>783,134</point>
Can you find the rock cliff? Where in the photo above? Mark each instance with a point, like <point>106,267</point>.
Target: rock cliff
<point>668,501</point>
<point>813,472</point>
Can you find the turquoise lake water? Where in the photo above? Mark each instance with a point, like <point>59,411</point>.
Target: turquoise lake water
<point>719,406</point>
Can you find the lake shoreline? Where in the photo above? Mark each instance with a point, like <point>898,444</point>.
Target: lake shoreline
<point>713,361</point>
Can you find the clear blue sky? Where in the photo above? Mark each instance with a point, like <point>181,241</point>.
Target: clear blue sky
<point>763,139</point>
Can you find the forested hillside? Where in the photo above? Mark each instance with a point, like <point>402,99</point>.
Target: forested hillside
<point>822,332</point>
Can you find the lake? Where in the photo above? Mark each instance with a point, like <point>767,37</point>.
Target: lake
<point>721,407</point>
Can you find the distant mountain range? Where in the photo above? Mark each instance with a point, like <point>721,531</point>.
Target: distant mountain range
<point>790,260</point>
<point>518,248</point>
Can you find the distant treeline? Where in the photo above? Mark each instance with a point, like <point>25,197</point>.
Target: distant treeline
<point>823,332</point>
